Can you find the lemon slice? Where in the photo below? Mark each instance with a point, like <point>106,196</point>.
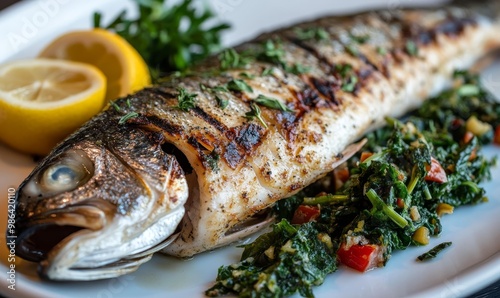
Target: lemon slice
<point>122,65</point>
<point>43,100</point>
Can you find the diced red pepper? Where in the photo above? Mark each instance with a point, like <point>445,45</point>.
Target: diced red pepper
<point>365,155</point>
<point>435,172</point>
<point>359,257</point>
<point>305,214</point>
<point>496,137</point>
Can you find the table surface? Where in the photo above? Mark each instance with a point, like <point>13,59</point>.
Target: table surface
<point>491,291</point>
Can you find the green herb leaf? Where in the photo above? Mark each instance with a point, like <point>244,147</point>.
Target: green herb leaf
<point>159,34</point>
<point>343,69</point>
<point>350,84</point>
<point>411,48</point>
<point>223,103</point>
<point>381,50</point>
<point>213,160</point>
<point>273,53</point>
<point>238,85</point>
<point>361,39</point>
<point>315,33</point>
<point>431,254</point>
<point>268,71</point>
<point>352,50</point>
<point>128,116</point>
<point>185,99</point>
<point>297,68</point>
<point>230,59</point>
<point>246,75</point>
<point>115,106</point>
<point>272,103</point>
<point>255,112</point>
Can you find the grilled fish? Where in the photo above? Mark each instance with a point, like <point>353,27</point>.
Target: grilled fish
<point>194,162</point>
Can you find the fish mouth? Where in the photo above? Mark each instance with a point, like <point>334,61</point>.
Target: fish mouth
<point>76,243</point>
<point>38,236</point>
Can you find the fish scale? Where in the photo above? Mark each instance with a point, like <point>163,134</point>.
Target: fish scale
<point>212,173</point>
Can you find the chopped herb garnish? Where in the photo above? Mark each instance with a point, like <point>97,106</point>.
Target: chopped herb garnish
<point>352,50</point>
<point>220,89</point>
<point>272,103</point>
<point>349,77</point>
<point>314,33</point>
<point>185,99</point>
<point>115,106</point>
<point>431,254</point>
<point>246,75</point>
<point>381,50</point>
<point>127,117</point>
<point>411,48</point>
<point>268,71</point>
<point>213,160</point>
<point>255,112</point>
<point>168,47</point>
<point>273,53</point>
<point>343,69</point>
<point>297,68</point>
<point>361,39</point>
<point>230,59</point>
<point>223,103</point>
<point>238,85</point>
<point>349,84</point>
<point>128,103</point>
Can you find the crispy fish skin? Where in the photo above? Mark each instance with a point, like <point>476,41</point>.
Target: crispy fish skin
<point>339,85</point>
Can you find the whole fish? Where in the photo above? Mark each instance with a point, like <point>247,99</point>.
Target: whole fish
<point>196,162</point>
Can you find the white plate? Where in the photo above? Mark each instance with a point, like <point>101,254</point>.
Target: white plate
<point>469,264</point>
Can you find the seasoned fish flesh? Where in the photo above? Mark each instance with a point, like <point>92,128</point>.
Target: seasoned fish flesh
<point>196,161</point>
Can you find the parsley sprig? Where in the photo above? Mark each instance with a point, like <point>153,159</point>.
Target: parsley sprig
<point>186,100</point>
<point>169,37</point>
<point>255,112</point>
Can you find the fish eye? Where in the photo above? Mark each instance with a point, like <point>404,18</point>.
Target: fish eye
<point>70,171</point>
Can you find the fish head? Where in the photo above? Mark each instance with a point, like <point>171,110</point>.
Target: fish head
<point>97,209</point>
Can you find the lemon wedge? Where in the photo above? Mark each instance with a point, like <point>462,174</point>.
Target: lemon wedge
<point>43,100</point>
<point>122,65</point>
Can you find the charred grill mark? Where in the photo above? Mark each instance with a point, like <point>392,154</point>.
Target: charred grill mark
<point>151,122</point>
<point>160,92</point>
<point>309,98</point>
<point>367,61</point>
<point>209,119</point>
<point>453,27</point>
<point>249,136</point>
<point>231,155</point>
<point>328,89</point>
